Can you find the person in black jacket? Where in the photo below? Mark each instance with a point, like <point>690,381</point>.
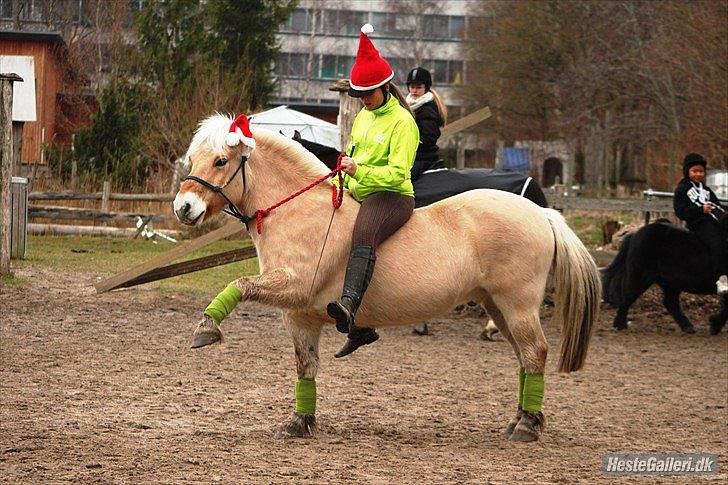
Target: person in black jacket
<point>430,114</point>
<point>700,208</point>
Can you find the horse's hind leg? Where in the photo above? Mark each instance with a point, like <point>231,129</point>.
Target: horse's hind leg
<point>500,323</point>
<point>671,300</point>
<point>633,291</point>
<point>718,321</point>
<point>522,323</point>
<point>306,335</point>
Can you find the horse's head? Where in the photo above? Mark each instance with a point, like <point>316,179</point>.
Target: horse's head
<point>216,158</point>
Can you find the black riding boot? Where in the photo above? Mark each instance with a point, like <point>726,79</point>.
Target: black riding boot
<point>358,274</point>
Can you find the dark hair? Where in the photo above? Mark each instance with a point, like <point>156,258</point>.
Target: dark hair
<point>692,159</point>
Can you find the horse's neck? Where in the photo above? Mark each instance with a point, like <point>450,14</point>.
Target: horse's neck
<point>271,178</point>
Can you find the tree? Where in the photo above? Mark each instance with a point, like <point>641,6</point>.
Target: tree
<point>627,81</point>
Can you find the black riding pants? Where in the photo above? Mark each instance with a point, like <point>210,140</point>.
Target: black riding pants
<point>710,233</point>
<point>380,215</point>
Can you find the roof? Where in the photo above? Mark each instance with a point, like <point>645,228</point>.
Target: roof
<point>28,36</point>
<point>286,120</point>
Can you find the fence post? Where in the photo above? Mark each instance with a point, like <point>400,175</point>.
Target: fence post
<point>105,197</point>
<point>6,166</point>
<point>348,109</point>
<point>74,174</point>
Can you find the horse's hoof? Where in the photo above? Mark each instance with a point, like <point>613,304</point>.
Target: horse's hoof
<point>206,333</point>
<point>688,329</point>
<point>513,423</point>
<point>620,327</point>
<point>297,426</point>
<point>716,325</point>
<point>421,329</point>
<point>529,428</point>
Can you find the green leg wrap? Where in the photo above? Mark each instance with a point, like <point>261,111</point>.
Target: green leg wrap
<point>533,392</point>
<point>521,381</point>
<point>224,303</point>
<point>306,396</point>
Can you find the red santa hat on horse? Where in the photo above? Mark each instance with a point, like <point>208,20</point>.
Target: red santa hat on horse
<point>370,70</point>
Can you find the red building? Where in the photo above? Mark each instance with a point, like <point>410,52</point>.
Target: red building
<point>56,113</point>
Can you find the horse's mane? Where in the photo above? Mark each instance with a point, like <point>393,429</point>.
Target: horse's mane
<point>212,131</point>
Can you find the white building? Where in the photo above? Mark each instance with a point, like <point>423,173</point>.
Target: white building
<point>320,39</point>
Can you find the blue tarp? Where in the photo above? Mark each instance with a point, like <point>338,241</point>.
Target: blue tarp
<point>516,159</point>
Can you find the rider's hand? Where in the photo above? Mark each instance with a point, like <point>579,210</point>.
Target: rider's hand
<point>707,208</point>
<point>348,165</point>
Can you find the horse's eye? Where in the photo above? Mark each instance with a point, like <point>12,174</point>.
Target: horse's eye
<point>220,162</point>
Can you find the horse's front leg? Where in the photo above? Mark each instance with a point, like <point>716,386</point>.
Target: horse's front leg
<point>306,334</point>
<point>279,287</point>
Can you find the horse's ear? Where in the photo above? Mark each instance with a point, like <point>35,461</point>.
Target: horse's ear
<point>240,133</point>
<point>296,135</point>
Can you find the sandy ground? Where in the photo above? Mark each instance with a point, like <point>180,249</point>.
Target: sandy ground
<point>104,389</point>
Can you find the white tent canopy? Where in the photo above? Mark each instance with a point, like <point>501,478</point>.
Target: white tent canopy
<point>285,119</point>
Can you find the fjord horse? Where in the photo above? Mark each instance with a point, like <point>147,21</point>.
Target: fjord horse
<point>491,247</point>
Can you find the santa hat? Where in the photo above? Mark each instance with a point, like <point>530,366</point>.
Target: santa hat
<point>240,132</point>
<point>370,70</point>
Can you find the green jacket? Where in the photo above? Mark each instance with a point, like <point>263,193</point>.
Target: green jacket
<point>386,142</point>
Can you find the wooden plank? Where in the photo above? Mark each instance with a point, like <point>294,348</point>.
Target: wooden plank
<point>232,227</point>
<point>143,197</point>
<point>466,122</point>
<point>65,195</point>
<point>185,267</point>
<point>78,213</point>
<point>69,230</point>
<point>68,195</point>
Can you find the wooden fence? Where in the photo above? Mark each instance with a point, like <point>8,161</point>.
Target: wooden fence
<point>103,214</point>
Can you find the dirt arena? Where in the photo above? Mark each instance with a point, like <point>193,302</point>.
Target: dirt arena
<point>104,389</point>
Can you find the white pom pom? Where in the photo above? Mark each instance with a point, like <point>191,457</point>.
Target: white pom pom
<point>232,139</point>
<point>367,29</point>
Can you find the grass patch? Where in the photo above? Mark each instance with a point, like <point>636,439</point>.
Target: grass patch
<point>10,280</point>
<point>588,225</point>
<point>108,256</point>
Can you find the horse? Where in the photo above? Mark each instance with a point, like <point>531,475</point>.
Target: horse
<point>492,247</point>
<point>671,257</point>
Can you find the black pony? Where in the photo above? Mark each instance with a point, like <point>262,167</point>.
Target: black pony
<point>674,259</point>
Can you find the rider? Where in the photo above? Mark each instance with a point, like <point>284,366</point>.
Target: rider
<point>699,207</point>
<point>384,140</point>
<point>430,114</point>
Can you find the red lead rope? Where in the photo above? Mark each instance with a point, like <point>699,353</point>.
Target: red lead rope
<point>337,195</point>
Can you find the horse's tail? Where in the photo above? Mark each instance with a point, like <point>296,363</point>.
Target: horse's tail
<point>614,275</point>
<point>578,293</point>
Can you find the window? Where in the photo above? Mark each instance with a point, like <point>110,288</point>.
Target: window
<point>384,24</point>
<point>292,65</point>
<point>457,27</point>
<point>336,67</point>
<point>343,22</point>
<point>435,26</point>
<point>6,9</point>
<point>443,27</point>
<point>405,25</point>
<point>445,72</point>
<point>299,21</point>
